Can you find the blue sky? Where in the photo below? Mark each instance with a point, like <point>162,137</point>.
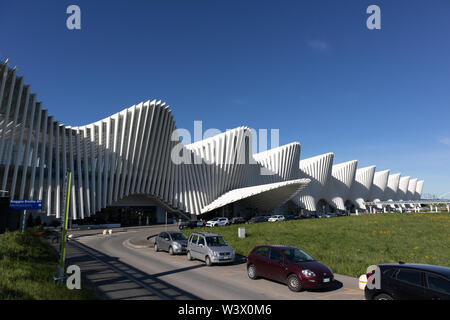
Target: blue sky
<point>308,68</point>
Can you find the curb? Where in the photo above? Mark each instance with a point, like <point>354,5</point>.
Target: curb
<point>128,243</point>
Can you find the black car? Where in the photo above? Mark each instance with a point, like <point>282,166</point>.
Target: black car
<point>257,219</point>
<point>405,281</point>
<point>188,225</point>
<point>237,220</point>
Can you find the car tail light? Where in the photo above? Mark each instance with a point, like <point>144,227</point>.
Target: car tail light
<point>368,275</point>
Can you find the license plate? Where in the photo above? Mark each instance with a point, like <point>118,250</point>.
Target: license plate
<point>326,280</point>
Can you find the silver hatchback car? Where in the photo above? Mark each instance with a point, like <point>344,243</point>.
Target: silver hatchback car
<point>172,242</point>
<point>209,247</point>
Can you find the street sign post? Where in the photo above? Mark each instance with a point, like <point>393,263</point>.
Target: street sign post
<point>25,205</point>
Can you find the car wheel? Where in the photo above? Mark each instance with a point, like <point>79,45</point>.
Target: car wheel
<point>188,255</point>
<point>208,261</point>
<point>156,247</point>
<point>293,283</point>
<point>171,251</point>
<point>251,271</point>
<point>383,296</point>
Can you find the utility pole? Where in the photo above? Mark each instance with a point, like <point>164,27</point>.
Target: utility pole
<point>24,220</point>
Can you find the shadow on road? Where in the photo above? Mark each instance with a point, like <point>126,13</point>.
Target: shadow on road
<point>90,271</point>
<point>336,285</point>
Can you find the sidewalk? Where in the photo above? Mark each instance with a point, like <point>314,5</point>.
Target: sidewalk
<point>108,282</point>
<point>99,273</point>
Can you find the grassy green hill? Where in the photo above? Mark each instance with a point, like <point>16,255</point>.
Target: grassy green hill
<point>350,244</point>
<point>27,267</point>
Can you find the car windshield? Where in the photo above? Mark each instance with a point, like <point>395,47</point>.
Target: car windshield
<point>178,236</point>
<point>296,255</point>
<point>214,219</point>
<point>215,241</point>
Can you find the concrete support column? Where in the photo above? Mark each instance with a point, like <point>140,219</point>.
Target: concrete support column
<point>436,209</point>
<point>448,208</point>
<point>160,215</point>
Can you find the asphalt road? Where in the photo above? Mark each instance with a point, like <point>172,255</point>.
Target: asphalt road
<point>177,278</point>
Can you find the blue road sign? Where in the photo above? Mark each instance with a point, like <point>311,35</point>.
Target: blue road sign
<point>26,204</point>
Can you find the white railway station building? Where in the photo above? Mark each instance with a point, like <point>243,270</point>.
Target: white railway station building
<point>135,158</point>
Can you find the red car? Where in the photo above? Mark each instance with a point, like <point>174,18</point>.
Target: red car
<point>289,265</point>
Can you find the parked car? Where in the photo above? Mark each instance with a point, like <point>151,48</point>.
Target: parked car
<point>291,217</point>
<point>201,223</point>
<point>276,218</point>
<point>188,225</point>
<point>405,281</point>
<point>237,220</point>
<point>172,242</point>
<point>289,265</point>
<point>256,219</point>
<point>219,221</point>
<point>209,247</point>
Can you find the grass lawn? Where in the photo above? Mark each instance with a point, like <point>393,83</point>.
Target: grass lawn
<point>350,244</point>
<point>27,267</point>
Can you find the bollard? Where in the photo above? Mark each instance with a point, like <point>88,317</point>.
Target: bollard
<point>362,282</point>
<point>110,231</point>
<point>241,233</point>
<point>104,232</point>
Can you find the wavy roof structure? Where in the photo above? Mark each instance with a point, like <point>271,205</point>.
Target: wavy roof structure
<point>138,153</point>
